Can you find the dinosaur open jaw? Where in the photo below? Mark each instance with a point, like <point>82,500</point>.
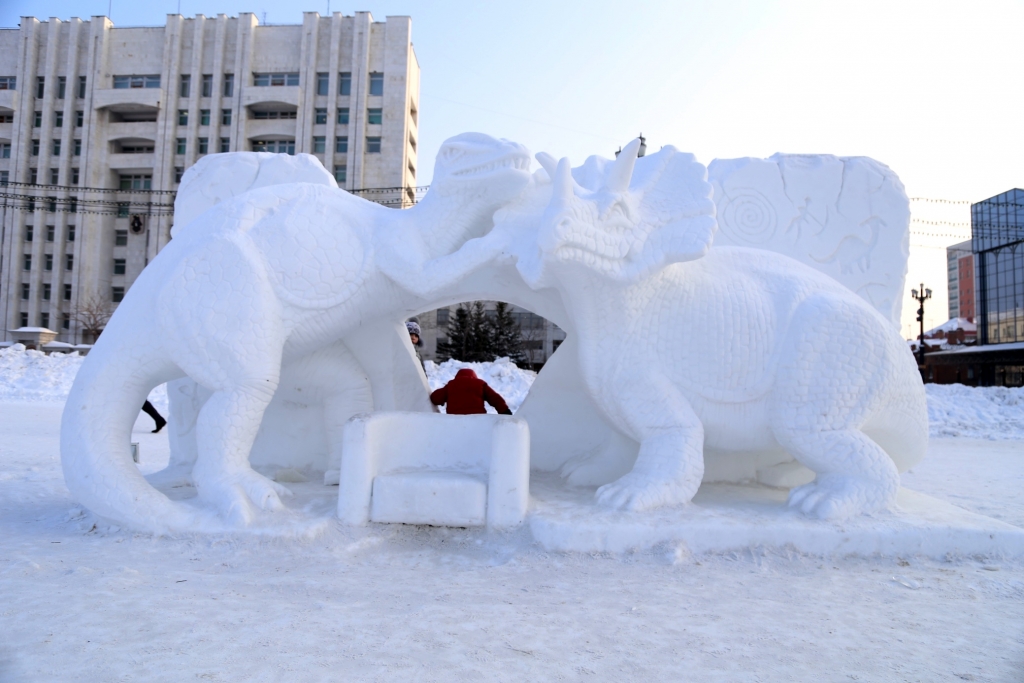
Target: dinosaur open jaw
<point>517,162</point>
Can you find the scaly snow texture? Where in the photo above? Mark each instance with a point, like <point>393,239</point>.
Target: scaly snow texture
<point>995,413</point>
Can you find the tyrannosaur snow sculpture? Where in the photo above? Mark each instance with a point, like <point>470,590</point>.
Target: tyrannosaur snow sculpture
<point>682,346</point>
<point>274,274</point>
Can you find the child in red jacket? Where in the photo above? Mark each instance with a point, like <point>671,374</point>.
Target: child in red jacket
<point>465,395</point>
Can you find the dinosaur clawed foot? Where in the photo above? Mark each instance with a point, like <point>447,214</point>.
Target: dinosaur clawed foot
<point>636,492</point>
<point>836,496</point>
<point>240,495</point>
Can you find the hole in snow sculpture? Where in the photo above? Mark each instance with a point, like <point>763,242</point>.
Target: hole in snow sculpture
<point>277,313</point>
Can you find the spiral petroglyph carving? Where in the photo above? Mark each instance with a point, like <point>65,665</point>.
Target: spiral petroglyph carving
<point>748,216</point>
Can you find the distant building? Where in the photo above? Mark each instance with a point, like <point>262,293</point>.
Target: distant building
<point>995,272</point>
<point>960,280</point>
<point>98,124</point>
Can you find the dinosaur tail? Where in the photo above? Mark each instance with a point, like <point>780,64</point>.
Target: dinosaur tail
<point>95,434</point>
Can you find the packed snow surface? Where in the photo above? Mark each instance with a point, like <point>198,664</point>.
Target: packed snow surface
<point>953,409</point>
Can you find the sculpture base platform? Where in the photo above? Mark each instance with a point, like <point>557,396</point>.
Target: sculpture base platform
<point>728,517</point>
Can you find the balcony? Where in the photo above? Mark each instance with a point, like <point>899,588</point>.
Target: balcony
<point>9,99</point>
<point>268,96</point>
<point>270,130</point>
<point>118,97</point>
<point>145,130</point>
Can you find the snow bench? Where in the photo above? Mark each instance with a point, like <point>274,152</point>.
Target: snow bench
<point>436,469</point>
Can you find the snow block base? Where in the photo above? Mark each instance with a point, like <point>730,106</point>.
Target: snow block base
<point>437,498</point>
<point>729,517</point>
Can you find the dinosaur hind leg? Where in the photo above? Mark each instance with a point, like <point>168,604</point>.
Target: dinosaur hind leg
<point>225,432</point>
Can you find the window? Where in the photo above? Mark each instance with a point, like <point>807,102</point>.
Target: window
<point>27,264</point>
<point>375,116</point>
<point>274,114</point>
<point>6,118</point>
<point>62,84</point>
<point>44,320</point>
<point>179,146</point>
<point>376,83</point>
<point>207,85</point>
<point>8,82</point>
<point>147,81</point>
<point>29,232</point>
<point>54,176</point>
<point>412,143</point>
<point>275,79</point>
<point>67,292</point>
<point>204,145</point>
<point>51,204</point>
<point>5,150</point>
<point>136,182</point>
<point>71,233</point>
<point>319,144</point>
<point>275,146</point>
<point>24,319</point>
<point>119,266</point>
<point>225,117</point>
<point>373,145</point>
<point>322,83</point>
<point>184,85</point>
<point>37,119</point>
<point>179,171</point>
<point>26,291</point>
<point>58,119</point>
<point>81,86</point>
<point>229,85</point>
<point>136,149</point>
<point>122,209</point>
<point>66,324</point>
<point>79,119</point>
<point>51,231</point>
<point>321,116</point>
<point>78,148</point>
<point>204,117</point>
<point>225,145</point>
<point>35,148</point>
<point>117,294</point>
<point>46,293</point>
<point>69,262</point>
<point>5,177</point>
<point>120,238</point>
<point>340,174</point>
<point>72,204</point>
<point>442,316</point>
<point>414,114</point>
<point>345,83</point>
<point>56,148</point>
<point>412,169</point>
<point>341,145</point>
<point>40,83</point>
<point>32,177</point>
<point>183,117</point>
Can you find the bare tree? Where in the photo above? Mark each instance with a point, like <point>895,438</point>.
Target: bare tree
<point>92,314</point>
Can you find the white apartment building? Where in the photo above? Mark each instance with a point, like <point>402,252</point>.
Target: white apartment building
<point>98,124</point>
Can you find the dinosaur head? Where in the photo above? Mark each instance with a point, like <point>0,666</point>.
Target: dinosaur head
<point>629,218</point>
<point>481,168</point>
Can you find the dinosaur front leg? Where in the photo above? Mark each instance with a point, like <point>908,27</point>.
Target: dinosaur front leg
<point>670,465</point>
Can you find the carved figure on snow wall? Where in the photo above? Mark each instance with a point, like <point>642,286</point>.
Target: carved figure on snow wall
<point>631,239</point>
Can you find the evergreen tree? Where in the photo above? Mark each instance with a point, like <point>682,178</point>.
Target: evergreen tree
<point>481,338</point>
<point>507,336</point>
<point>459,340</point>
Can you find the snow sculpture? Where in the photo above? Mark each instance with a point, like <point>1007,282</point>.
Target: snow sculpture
<point>444,470</point>
<point>266,278</point>
<point>682,346</point>
<point>846,217</point>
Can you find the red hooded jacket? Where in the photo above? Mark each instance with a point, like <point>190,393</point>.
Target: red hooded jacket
<point>465,395</point>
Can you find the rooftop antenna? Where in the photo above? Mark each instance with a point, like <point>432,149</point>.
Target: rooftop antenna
<point>264,22</point>
<point>110,5</point>
<point>328,7</point>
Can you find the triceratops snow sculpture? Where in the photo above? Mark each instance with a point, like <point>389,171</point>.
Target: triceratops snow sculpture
<point>262,279</point>
<point>682,346</point>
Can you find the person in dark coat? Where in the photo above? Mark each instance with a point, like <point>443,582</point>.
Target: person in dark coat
<point>148,408</point>
<point>466,394</point>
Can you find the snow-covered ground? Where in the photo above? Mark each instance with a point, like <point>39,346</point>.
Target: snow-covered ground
<point>80,601</point>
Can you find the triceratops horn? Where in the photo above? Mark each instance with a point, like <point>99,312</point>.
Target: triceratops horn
<point>621,171</point>
<point>548,163</point>
<point>562,192</point>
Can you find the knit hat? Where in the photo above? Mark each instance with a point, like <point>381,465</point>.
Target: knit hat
<point>414,328</point>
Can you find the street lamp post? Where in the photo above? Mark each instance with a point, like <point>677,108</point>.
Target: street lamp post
<point>921,296</point>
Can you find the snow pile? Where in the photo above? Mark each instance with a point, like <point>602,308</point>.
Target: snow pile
<point>33,376</point>
<point>502,375</point>
<point>976,412</point>
<point>27,375</point>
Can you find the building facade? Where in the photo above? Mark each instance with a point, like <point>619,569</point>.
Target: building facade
<point>960,280</point>
<point>98,124</point>
<point>997,239</point>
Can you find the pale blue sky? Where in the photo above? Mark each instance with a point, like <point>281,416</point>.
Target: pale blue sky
<point>933,89</point>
